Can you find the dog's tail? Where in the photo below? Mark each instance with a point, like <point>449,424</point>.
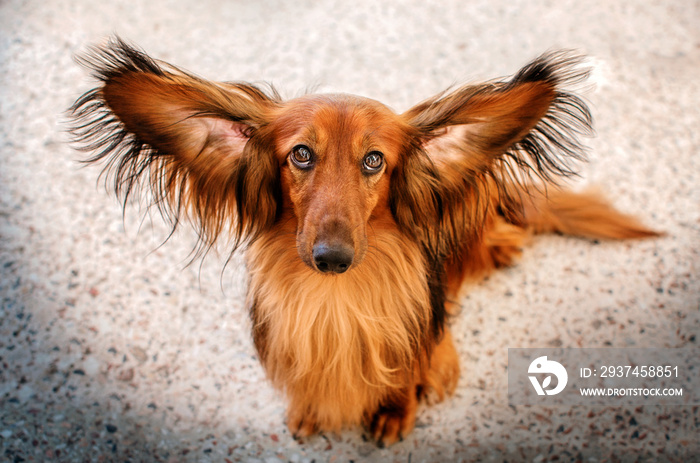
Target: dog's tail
<point>586,214</point>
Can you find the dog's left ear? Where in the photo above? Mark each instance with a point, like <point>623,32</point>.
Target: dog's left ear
<point>510,131</point>
<point>200,147</point>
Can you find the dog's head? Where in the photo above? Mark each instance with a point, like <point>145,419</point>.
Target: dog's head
<point>336,155</point>
<point>238,159</point>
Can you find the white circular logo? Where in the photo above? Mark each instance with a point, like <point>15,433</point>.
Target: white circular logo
<point>549,367</point>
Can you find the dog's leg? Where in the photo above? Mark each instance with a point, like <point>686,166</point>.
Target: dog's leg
<point>440,378</point>
<point>434,381</point>
<point>500,246</point>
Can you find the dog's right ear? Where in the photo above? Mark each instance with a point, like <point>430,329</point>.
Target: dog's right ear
<point>479,140</point>
<point>200,146</point>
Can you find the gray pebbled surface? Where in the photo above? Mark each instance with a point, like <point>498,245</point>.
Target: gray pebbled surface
<point>112,349</point>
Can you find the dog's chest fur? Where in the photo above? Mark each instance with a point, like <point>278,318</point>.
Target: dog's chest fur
<point>335,340</point>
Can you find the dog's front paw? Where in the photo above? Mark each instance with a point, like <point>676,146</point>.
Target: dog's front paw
<point>391,424</point>
<point>301,424</point>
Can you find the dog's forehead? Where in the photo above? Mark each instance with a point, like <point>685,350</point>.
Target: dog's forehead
<point>340,103</point>
<point>329,118</point>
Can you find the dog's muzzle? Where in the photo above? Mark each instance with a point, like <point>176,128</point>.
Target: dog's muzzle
<point>332,257</point>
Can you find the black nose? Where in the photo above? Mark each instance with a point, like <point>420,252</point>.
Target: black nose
<point>335,258</point>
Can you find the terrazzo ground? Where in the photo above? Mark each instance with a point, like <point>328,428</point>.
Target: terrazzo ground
<point>112,348</point>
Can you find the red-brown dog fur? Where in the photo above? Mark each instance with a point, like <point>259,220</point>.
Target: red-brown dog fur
<point>461,184</point>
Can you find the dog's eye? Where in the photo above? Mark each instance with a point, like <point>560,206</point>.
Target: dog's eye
<point>373,162</point>
<point>302,157</point>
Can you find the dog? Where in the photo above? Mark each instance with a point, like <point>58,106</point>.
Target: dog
<point>360,224</point>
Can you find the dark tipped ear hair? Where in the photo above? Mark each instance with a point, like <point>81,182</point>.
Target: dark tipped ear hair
<point>199,146</point>
<point>524,130</point>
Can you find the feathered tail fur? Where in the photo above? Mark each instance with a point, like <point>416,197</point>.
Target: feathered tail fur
<point>585,214</point>
<point>506,230</point>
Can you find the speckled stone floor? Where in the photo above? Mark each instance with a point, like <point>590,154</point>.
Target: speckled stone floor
<point>113,349</point>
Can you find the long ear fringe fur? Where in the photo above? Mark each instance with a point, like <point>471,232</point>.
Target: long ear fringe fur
<point>132,165</point>
<point>129,161</point>
<point>553,148</point>
<point>549,149</point>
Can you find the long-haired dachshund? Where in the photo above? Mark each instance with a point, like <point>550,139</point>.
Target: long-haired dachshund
<point>360,224</point>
